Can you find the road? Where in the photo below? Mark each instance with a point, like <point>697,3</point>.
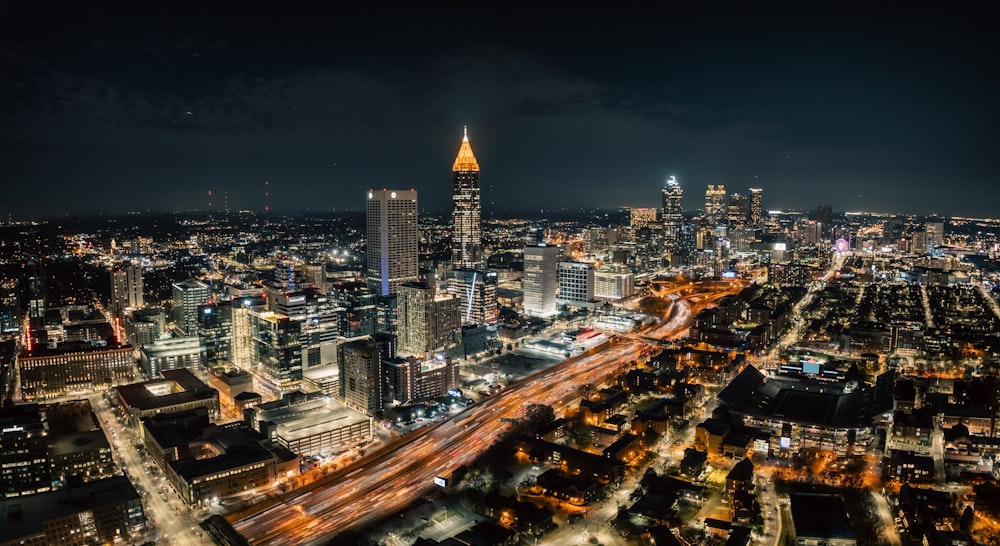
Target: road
<point>390,480</point>
<point>172,522</point>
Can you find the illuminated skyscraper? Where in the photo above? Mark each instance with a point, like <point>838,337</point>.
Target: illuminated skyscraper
<point>640,218</point>
<point>673,209</point>
<point>755,214</point>
<point>466,214</point>
<point>428,321</point>
<point>187,296</point>
<point>392,239</point>
<point>541,280</point>
<point>126,287</point>
<point>738,210</point>
<point>715,203</point>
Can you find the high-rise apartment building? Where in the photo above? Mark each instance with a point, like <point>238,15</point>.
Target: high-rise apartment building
<point>755,213</point>
<point>715,203</point>
<point>641,217</point>
<point>466,214</point>
<point>935,234</point>
<point>613,283</point>
<point>541,280</point>
<point>362,381</point>
<point>428,321</point>
<point>391,220</point>
<point>187,296</point>
<point>126,288</point>
<point>477,294</point>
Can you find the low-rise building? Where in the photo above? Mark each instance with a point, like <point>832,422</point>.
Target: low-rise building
<point>96,513</point>
<point>313,424</point>
<point>179,390</point>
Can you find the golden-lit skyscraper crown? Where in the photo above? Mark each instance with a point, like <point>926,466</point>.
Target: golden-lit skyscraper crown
<point>466,160</point>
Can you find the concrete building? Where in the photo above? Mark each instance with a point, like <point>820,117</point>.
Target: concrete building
<point>576,284</point>
<point>172,354</point>
<point>179,390</point>
<point>391,258</point>
<point>126,289</point>
<point>96,513</point>
<point>541,280</point>
<point>428,321</point>
<point>413,380</point>
<point>613,283</point>
<point>361,377</point>
<point>311,425</point>
<point>55,370</point>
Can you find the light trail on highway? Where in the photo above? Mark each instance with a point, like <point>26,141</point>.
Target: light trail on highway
<point>393,479</point>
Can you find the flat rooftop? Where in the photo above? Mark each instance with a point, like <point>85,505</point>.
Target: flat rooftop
<point>36,509</point>
<point>310,418</point>
<point>820,515</point>
<point>177,387</point>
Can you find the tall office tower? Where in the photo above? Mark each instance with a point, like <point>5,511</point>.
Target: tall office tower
<point>126,288</point>
<point>392,239</point>
<point>755,212</point>
<point>576,284</point>
<point>641,217</point>
<point>187,296</point>
<point>360,305</point>
<point>466,213</point>
<point>715,203</point>
<point>673,209</point>
<point>276,351</point>
<point>10,306</point>
<point>243,306</point>
<point>935,234</point>
<point>362,378</point>
<point>541,280</point>
<point>215,328</point>
<point>428,321</point>
<point>738,210</point>
<point>477,294</point>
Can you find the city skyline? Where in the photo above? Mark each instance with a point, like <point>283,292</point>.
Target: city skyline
<point>133,110</point>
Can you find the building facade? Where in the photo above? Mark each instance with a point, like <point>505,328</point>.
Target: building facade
<point>428,321</point>
<point>187,296</point>
<point>541,280</point>
<point>466,215</point>
<point>392,235</point>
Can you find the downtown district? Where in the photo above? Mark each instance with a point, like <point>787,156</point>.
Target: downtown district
<point>713,373</point>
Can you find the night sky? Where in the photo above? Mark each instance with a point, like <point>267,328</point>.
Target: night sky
<point>108,108</point>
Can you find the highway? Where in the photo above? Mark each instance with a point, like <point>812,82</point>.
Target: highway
<point>391,480</point>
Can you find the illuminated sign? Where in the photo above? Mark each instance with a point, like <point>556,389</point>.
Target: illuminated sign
<point>296,299</point>
<point>786,442</point>
<point>440,482</point>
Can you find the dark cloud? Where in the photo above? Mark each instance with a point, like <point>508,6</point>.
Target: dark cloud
<point>150,110</point>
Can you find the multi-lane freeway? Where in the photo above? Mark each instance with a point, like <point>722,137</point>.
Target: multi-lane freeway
<point>391,480</point>
<point>388,483</point>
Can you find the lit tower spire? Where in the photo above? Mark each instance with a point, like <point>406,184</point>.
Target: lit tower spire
<point>466,216</point>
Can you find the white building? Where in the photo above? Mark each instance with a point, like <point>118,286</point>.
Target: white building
<point>391,222</point>
<point>541,280</point>
<point>576,284</point>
